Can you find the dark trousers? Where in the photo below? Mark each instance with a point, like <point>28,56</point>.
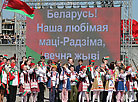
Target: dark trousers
<point>28,97</point>
<point>57,96</point>
<point>12,96</point>
<point>73,94</point>
<point>52,94</point>
<point>104,95</point>
<point>40,97</point>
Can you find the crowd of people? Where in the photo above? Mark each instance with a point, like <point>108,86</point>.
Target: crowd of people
<point>66,82</point>
<point>10,39</point>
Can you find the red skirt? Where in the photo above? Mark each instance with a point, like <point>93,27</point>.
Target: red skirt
<point>80,88</point>
<point>35,89</point>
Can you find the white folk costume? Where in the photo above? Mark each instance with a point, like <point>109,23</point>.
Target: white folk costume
<point>110,85</point>
<point>33,80</point>
<point>121,82</point>
<point>25,85</point>
<point>121,86</point>
<point>53,79</point>
<point>25,81</point>
<point>65,78</point>
<point>42,75</point>
<point>98,84</point>
<point>84,82</point>
<point>65,85</point>
<point>73,77</point>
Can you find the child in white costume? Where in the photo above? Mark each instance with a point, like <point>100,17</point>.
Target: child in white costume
<point>97,84</point>
<point>109,85</point>
<point>83,85</point>
<point>25,84</point>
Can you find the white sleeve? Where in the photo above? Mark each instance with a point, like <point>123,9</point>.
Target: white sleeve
<point>42,71</point>
<point>57,79</point>
<point>119,75</point>
<point>28,77</point>
<point>30,71</point>
<point>22,78</point>
<point>68,71</point>
<point>133,74</point>
<point>61,76</point>
<point>129,70</point>
<point>48,74</point>
<point>102,73</point>
<point>92,73</point>
<point>37,72</point>
<point>107,77</point>
<point>82,75</point>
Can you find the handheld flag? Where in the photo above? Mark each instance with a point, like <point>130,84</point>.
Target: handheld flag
<point>106,58</point>
<point>77,80</point>
<point>93,61</point>
<point>18,7</point>
<point>8,91</point>
<point>42,54</point>
<point>89,67</point>
<point>5,56</point>
<point>126,58</point>
<point>3,85</point>
<point>136,72</point>
<point>25,93</point>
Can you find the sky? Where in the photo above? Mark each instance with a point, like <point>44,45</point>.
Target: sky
<point>135,11</point>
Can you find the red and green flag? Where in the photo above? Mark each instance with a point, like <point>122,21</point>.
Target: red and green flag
<point>42,54</point>
<point>5,56</point>
<point>126,58</point>
<point>8,91</point>
<point>53,63</point>
<point>25,93</point>
<point>3,85</point>
<point>89,67</point>
<point>77,80</point>
<point>136,72</point>
<point>68,75</point>
<point>18,7</point>
<point>107,57</point>
<point>92,61</point>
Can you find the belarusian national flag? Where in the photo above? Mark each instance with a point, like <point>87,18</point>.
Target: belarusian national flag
<point>18,7</point>
<point>93,61</point>
<point>5,56</point>
<point>107,57</point>
<point>3,85</point>
<point>77,80</point>
<point>126,58</point>
<point>25,93</point>
<point>136,72</point>
<point>89,67</point>
<point>8,91</point>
